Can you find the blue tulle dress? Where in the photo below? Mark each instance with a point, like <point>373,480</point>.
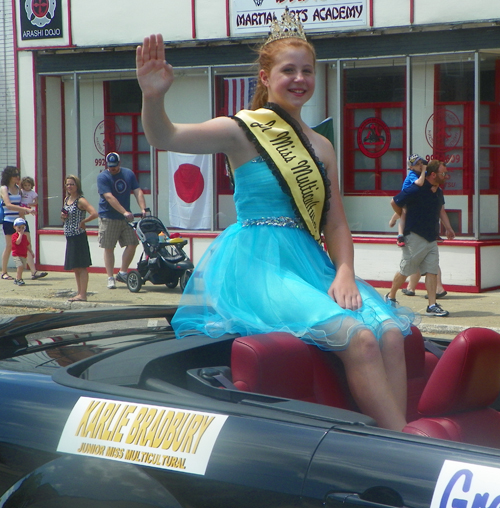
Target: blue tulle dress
<point>265,273</point>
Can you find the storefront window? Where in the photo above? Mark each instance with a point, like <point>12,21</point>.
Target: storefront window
<point>374,140</point>
<point>489,145</point>
<point>124,132</point>
<point>375,119</point>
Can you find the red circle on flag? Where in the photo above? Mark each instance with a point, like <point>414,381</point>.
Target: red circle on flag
<point>189,182</point>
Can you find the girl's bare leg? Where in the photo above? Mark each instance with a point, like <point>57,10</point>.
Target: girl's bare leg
<point>368,381</point>
<point>393,355</point>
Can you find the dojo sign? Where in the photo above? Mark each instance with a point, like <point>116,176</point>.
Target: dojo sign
<point>40,19</point>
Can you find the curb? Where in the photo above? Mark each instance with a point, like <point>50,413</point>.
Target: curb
<point>443,329</point>
<point>51,304</point>
<point>448,329</point>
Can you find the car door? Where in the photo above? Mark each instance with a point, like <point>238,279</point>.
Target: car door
<point>377,468</point>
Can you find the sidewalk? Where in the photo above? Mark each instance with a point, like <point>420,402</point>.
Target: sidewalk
<point>52,292</point>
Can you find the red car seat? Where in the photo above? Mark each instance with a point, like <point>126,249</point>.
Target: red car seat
<point>282,365</point>
<point>465,381</point>
<point>419,366</point>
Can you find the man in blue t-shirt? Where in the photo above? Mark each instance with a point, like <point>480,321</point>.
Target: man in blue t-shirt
<point>425,207</point>
<point>115,184</point>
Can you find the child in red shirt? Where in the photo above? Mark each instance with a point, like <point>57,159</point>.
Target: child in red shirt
<point>20,249</point>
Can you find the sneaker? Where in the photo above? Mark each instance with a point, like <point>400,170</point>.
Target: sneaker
<point>408,292</point>
<point>436,310</point>
<point>390,301</point>
<point>111,283</point>
<point>121,277</point>
<point>400,241</point>
<point>19,282</point>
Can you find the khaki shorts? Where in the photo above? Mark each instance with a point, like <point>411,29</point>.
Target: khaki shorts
<point>19,261</point>
<point>112,231</point>
<point>419,255</point>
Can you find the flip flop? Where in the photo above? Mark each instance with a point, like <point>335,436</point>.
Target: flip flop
<point>6,276</point>
<point>76,299</point>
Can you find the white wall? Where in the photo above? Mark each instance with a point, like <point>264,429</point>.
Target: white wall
<point>451,11</point>
<point>490,275</point>
<point>376,262</point>
<point>127,22</point>
<point>97,23</point>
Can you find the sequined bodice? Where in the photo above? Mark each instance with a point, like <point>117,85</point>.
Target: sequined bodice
<point>258,194</point>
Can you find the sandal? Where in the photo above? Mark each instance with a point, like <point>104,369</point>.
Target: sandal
<point>38,275</point>
<point>6,276</point>
<point>76,299</point>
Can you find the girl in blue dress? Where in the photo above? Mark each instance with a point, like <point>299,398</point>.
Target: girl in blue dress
<point>268,272</point>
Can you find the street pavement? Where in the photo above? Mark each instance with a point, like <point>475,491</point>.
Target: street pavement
<point>52,293</point>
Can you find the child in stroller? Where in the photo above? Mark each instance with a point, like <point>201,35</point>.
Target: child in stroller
<point>163,260</point>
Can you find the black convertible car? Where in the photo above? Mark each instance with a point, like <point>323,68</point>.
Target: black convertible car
<point>134,418</point>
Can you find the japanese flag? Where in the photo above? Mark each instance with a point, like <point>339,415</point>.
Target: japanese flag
<point>190,191</point>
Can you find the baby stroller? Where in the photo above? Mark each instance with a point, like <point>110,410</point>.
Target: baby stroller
<point>163,260</point>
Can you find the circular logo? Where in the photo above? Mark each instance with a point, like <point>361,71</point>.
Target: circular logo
<point>189,182</point>
<point>446,134</point>
<point>120,186</point>
<point>374,137</point>
<point>100,139</point>
<point>40,12</point>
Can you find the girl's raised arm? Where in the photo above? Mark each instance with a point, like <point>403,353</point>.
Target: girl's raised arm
<point>155,77</point>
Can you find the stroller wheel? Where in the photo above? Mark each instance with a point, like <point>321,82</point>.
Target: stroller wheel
<point>134,281</point>
<point>184,279</point>
<point>172,283</point>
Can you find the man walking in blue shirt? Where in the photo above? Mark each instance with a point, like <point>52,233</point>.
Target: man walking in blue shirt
<point>115,184</point>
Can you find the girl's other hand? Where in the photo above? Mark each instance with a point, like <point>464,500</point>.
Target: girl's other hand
<point>345,292</point>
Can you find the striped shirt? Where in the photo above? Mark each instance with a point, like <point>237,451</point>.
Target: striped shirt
<point>15,199</point>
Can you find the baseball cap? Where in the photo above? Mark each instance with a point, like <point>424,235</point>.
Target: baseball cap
<point>112,159</point>
<point>414,158</point>
<point>19,222</point>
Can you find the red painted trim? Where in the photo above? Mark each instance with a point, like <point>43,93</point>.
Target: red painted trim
<point>193,19</point>
<point>453,243</point>
<point>41,185</point>
<point>16,81</point>
<point>70,33</point>
<point>477,263</point>
<point>60,231</point>
<point>43,122</point>
<point>371,12</point>
<point>93,231</point>
<point>412,12</point>
<point>228,21</point>
<point>421,285</point>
